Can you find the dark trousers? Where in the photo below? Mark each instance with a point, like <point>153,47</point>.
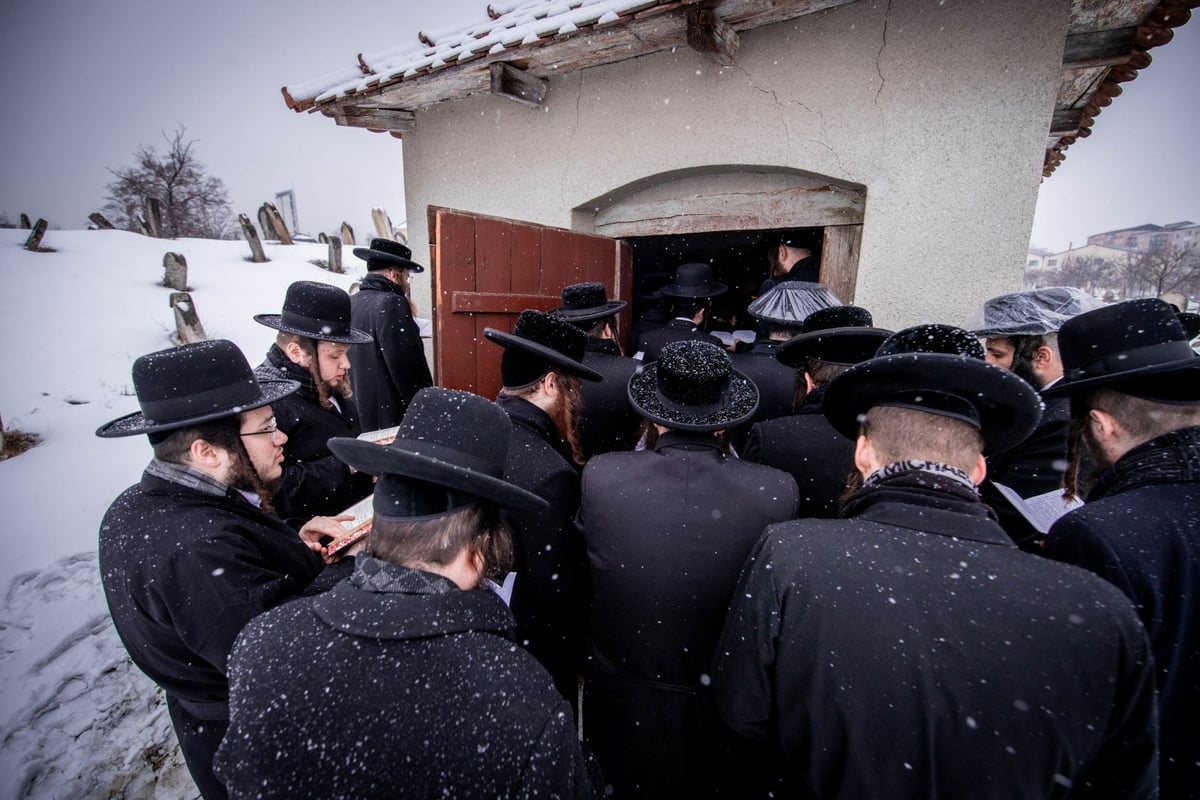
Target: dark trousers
<point>199,740</point>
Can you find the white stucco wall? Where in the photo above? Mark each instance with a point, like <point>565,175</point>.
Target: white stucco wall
<point>940,108</point>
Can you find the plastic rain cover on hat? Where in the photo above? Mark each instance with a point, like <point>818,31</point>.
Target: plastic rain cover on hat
<point>790,302</point>
<point>1031,313</point>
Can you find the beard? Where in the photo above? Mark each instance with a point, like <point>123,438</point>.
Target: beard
<point>243,476</point>
<point>1023,368</point>
<point>566,414</point>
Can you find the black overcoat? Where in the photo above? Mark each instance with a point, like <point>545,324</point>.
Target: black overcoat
<point>183,572</point>
<point>1140,530</point>
<point>776,384</point>
<point>914,652</point>
<point>677,330</point>
<point>549,597</point>
<point>806,446</point>
<point>315,482</point>
<point>667,531</point>
<point>370,694</point>
<point>609,422</point>
<point>388,371</point>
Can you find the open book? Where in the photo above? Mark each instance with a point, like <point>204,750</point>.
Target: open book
<point>362,511</point>
<point>1041,510</point>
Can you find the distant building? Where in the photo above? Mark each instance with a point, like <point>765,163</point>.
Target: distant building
<point>1151,238</point>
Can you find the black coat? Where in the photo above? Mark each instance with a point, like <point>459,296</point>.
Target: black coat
<point>806,447</point>
<point>314,481</point>
<point>609,422</point>
<point>1140,530</point>
<point>667,531</point>
<point>776,384</point>
<point>381,694</point>
<point>183,572</point>
<point>549,597</point>
<point>914,652</point>
<point>387,372</point>
<point>677,330</point>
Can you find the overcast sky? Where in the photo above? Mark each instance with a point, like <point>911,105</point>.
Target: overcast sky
<point>88,80</point>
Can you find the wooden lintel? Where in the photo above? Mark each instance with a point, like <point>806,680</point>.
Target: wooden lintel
<point>1099,48</point>
<point>374,117</point>
<point>492,303</point>
<point>712,36</point>
<point>1066,121</point>
<point>514,84</point>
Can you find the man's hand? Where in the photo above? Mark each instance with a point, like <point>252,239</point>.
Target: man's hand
<point>320,531</point>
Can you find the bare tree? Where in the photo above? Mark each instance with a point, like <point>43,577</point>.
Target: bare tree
<point>193,202</point>
<point>1175,269</point>
<point>1087,273</point>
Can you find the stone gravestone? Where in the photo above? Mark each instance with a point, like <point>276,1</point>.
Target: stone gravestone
<point>34,242</point>
<point>187,321</point>
<point>143,226</point>
<point>323,238</point>
<point>100,221</point>
<point>266,224</point>
<point>383,224</point>
<point>25,223</point>
<point>335,255</point>
<point>256,249</point>
<point>280,226</point>
<point>154,217</point>
<point>347,234</point>
<point>175,272</point>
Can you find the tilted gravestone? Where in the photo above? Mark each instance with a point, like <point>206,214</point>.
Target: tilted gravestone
<point>256,249</point>
<point>323,237</point>
<point>383,224</point>
<point>143,226</point>
<point>187,320</point>
<point>154,217</point>
<point>100,221</point>
<point>175,271</point>
<point>266,224</point>
<point>34,242</point>
<point>281,230</point>
<point>25,223</point>
<point>335,255</point>
<point>347,234</point>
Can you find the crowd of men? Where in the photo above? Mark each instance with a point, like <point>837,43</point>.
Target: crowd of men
<point>844,562</point>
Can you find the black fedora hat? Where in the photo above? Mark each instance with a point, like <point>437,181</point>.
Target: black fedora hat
<point>585,302</point>
<point>1139,347</point>
<point>693,387</point>
<point>1002,405</point>
<point>387,254</point>
<point>318,311</point>
<point>835,335</point>
<point>791,302</point>
<point>538,343</point>
<point>1191,323</point>
<point>933,337</point>
<point>454,440</point>
<point>192,384</point>
<point>693,282</point>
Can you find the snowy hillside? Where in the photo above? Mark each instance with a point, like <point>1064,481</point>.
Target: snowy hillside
<point>76,718</point>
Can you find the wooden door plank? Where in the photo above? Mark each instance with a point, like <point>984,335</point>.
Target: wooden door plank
<point>839,260</point>
<point>455,271</point>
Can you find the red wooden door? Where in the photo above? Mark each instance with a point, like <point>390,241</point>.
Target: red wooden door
<point>487,270</point>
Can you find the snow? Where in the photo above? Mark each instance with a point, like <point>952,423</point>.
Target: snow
<point>76,718</point>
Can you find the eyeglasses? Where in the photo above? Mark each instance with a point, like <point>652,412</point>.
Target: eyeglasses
<point>265,431</point>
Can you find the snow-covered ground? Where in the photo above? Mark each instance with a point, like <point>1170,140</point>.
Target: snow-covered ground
<point>77,720</point>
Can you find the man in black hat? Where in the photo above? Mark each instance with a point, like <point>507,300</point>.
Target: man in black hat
<point>1134,386</point>
<point>188,556</point>
<point>312,348</point>
<point>911,650</point>
<point>690,296</point>
<point>667,530</point>
<point>392,367</point>
<point>607,422</point>
<point>403,680</point>
<point>790,258</point>
<point>803,444</point>
<point>540,371</point>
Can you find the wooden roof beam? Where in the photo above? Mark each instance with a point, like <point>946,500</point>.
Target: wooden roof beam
<point>1099,48</point>
<point>376,118</point>
<point>518,85</point>
<point>712,36</point>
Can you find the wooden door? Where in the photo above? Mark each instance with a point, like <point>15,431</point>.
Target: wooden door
<point>487,270</point>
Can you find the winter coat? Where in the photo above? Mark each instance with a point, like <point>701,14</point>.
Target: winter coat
<point>314,482</point>
<point>183,572</point>
<point>667,531</point>
<point>806,269</point>
<point>609,422</point>
<point>1140,530</point>
<point>387,372</point>
<point>776,384</point>
<point>549,598</point>
<point>415,691</point>
<point>677,330</point>
<point>912,651</point>
<point>806,447</point>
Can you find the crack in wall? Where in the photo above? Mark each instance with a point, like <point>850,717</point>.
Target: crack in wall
<point>879,54</point>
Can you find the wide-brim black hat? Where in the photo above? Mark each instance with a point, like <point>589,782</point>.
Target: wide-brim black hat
<point>317,311</point>
<point>184,386</point>
<point>1128,343</point>
<point>540,343</point>
<point>836,335</point>
<point>693,282</point>
<point>452,439</point>
<point>387,254</point>
<point>933,337</point>
<point>585,302</point>
<point>693,387</point>
<point>1002,405</point>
